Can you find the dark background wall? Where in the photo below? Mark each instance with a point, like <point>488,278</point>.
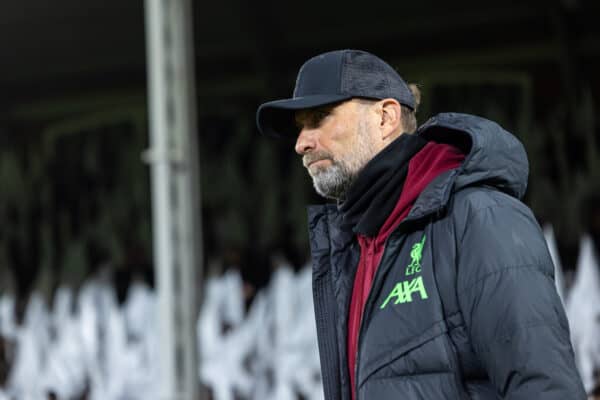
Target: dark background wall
<point>73,121</point>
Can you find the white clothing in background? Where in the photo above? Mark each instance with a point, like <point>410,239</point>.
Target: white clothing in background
<point>559,278</point>
<point>583,310</point>
<point>222,353</point>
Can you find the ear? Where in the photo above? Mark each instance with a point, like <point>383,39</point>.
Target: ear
<point>390,119</point>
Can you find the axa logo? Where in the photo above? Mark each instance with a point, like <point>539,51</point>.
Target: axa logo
<point>403,291</point>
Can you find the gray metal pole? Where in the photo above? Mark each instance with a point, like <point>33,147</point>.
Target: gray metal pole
<point>175,194</point>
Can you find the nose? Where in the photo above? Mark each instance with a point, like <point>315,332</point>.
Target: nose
<point>306,141</point>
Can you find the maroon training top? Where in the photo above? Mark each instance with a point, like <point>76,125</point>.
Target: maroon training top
<point>428,163</point>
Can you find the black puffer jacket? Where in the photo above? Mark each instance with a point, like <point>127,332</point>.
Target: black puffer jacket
<point>463,304</point>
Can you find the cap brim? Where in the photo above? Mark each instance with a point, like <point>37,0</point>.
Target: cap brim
<point>276,118</point>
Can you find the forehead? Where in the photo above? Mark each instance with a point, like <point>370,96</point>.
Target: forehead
<point>307,113</point>
<point>317,113</point>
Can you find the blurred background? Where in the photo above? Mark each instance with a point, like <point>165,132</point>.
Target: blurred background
<point>77,280</point>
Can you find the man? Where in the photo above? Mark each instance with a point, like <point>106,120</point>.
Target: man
<point>431,279</point>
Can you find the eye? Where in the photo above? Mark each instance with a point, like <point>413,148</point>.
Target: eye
<point>319,116</point>
<point>311,118</point>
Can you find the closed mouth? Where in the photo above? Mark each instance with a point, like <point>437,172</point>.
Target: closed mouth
<point>307,165</point>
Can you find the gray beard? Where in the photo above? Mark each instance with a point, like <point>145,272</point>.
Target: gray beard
<point>334,182</point>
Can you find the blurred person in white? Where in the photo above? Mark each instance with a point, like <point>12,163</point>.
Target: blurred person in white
<point>225,338</point>
<point>266,352</point>
<point>583,310</point>
<point>558,269</point>
<point>32,342</point>
<point>583,300</point>
<point>288,347</point>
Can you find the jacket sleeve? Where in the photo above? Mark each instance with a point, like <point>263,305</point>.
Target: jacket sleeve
<point>514,316</point>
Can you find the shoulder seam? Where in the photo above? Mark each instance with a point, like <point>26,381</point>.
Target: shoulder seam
<point>497,206</point>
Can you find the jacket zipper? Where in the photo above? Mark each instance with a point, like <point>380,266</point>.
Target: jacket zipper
<point>367,305</point>
<point>376,279</point>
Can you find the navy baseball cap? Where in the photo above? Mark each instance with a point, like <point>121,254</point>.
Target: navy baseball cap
<point>329,78</point>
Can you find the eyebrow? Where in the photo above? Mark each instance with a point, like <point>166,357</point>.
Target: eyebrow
<point>313,116</point>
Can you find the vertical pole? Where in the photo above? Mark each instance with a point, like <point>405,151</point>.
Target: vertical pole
<point>175,194</point>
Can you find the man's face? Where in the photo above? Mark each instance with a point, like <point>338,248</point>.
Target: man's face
<point>335,143</point>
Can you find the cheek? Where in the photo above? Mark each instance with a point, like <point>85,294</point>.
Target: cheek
<point>339,135</point>
<point>343,136</point>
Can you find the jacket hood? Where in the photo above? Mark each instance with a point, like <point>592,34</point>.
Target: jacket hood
<point>494,157</point>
